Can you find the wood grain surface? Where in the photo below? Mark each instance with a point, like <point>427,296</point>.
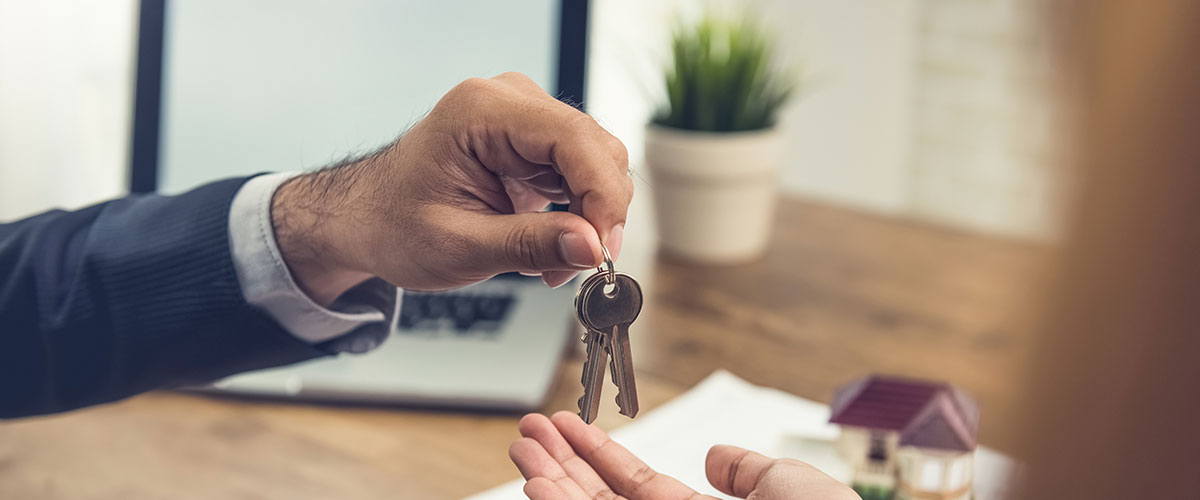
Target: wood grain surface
<point>839,294</point>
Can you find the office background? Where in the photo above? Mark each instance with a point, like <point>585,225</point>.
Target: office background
<point>926,109</point>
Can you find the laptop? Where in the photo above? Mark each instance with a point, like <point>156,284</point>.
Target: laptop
<point>233,87</point>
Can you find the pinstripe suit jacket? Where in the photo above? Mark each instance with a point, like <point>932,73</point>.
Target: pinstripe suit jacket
<point>125,296</point>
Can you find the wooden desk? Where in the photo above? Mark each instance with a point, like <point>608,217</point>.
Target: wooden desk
<point>840,294</point>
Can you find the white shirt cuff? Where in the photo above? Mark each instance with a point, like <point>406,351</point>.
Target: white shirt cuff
<point>265,279</point>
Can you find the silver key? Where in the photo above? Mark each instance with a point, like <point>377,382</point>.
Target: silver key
<point>593,366</point>
<point>608,302</point>
<point>613,311</point>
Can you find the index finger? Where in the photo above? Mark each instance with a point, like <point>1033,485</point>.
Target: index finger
<point>624,472</point>
<point>595,164</point>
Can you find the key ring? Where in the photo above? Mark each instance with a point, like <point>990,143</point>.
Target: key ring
<point>611,274</point>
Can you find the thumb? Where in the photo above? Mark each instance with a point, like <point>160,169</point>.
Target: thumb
<point>739,472</point>
<point>535,242</point>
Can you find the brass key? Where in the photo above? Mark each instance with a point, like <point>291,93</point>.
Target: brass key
<point>607,303</point>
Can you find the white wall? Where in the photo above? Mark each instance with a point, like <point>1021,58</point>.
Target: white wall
<point>849,130</point>
<point>65,80</point>
<point>983,150</point>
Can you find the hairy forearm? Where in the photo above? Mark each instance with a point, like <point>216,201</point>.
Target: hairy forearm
<point>314,217</point>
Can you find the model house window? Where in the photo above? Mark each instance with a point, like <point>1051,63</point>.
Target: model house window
<point>878,451</point>
<point>959,473</point>
<point>931,475</point>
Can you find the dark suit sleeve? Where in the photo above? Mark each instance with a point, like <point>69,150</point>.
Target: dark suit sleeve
<point>126,296</point>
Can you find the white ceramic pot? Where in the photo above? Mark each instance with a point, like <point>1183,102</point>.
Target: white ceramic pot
<point>714,193</point>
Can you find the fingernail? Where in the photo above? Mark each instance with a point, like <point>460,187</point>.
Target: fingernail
<point>555,279</point>
<point>614,241</point>
<point>575,250</point>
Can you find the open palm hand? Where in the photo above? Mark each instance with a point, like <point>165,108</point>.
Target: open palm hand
<point>563,458</point>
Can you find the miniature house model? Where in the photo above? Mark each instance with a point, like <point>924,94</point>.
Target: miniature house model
<point>907,439</point>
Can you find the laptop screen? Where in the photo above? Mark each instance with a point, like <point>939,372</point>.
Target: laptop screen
<point>277,85</point>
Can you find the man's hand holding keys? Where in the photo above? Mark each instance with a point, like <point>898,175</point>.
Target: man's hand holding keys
<point>459,197</point>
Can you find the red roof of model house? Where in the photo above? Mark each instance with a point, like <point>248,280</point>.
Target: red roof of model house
<point>926,414</point>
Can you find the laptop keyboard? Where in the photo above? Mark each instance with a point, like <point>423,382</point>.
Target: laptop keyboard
<point>453,313</point>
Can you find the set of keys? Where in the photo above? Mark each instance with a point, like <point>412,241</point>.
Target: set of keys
<point>607,303</point>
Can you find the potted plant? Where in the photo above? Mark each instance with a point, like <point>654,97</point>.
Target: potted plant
<point>712,149</point>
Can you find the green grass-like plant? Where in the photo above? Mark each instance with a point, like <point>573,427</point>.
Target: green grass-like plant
<point>722,77</point>
<point>873,492</point>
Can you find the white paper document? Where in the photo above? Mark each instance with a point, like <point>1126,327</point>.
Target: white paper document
<point>724,409</point>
